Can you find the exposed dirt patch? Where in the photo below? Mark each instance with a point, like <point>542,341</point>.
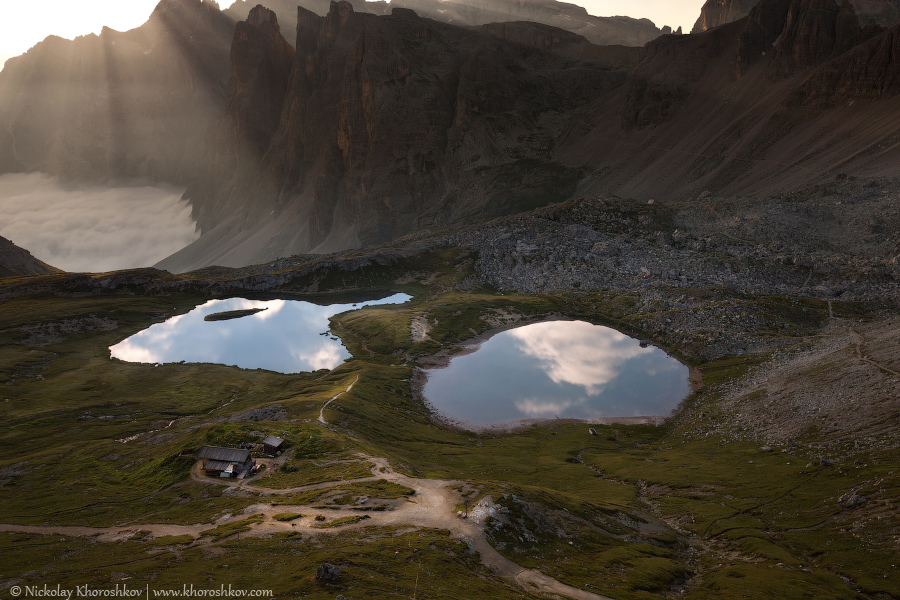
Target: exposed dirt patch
<point>419,328</point>
<point>431,506</point>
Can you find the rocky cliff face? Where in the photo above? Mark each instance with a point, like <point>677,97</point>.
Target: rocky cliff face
<point>623,31</point>
<point>131,104</point>
<point>792,94</point>
<point>869,71</point>
<point>719,12</point>
<point>374,126</point>
<point>817,40</point>
<point>16,261</point>
<point>261,61</point>
<point>885,13</point>
<point>669,70</point>
<point>392,123</point>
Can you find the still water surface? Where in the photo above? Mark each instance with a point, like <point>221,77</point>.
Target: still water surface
<point>559,369</point>
<point>286,337</point>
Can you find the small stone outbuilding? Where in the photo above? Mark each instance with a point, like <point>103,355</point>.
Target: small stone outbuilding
<point>272,445</point>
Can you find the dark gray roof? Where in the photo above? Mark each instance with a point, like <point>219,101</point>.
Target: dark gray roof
<point>226,454</point>
<point>273,441</point>
<point>217,465</point>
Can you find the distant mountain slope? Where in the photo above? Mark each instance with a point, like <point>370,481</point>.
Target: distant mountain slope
<point>624,31</point>
<point>18,261</point>
<point>132,104</point>
<point>793,94</point>
<point>714,13</point>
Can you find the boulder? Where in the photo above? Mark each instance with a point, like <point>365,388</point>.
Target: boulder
<point>328,572</point>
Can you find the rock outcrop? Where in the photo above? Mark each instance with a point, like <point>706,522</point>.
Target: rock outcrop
<point>16,261</point>
<point>799,34</point>
<point>885,13</point>
<point>261,63</point>
<point>328,572</point>
<point>132,104</point>
<point>810,35</point>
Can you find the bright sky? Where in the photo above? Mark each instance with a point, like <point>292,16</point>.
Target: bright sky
<point>22,26</point>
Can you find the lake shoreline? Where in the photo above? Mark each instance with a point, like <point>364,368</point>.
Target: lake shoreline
<point>442,359</point>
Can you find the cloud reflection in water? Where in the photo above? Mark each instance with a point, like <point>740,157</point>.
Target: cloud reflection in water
<point>565,369</point>
<point>577,353</point>
<point>286,337</point>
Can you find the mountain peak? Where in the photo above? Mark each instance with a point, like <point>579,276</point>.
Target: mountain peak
<point>260,16</point>
<point>342,10</point>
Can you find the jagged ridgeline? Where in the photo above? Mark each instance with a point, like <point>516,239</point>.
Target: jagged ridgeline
<point>148,95</point>
<point>299,131</point>
<point>618,30</point>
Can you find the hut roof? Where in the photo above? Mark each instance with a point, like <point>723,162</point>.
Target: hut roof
<point>224,454</point>
<point>217,465</point>
<point>272,441</point>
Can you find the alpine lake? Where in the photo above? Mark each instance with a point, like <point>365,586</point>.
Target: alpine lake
<point>550,370</point>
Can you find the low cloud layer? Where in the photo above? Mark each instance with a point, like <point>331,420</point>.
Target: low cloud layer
<point>93,228</point>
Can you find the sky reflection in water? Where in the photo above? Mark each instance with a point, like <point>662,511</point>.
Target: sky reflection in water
<point>560,369</point>
<point>285,338</point>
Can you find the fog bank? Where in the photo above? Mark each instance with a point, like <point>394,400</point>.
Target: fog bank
<point>93,228</point>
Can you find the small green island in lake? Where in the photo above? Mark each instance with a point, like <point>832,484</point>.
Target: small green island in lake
<point>233,314</point>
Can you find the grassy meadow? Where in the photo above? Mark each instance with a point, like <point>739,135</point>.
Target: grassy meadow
<point>635,512</point>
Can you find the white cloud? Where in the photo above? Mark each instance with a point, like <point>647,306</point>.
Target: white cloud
<point>130,352</point>
<point>93,228</point>
<point>273,307</point>
<point>327,356</point>
<point>674,13</point>
<point>546,409</point>
<point>578,353</point>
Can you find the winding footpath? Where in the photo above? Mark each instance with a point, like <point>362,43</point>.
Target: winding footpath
<point>433,505</point>
<point>332,399</point>
<point>860,340</point>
